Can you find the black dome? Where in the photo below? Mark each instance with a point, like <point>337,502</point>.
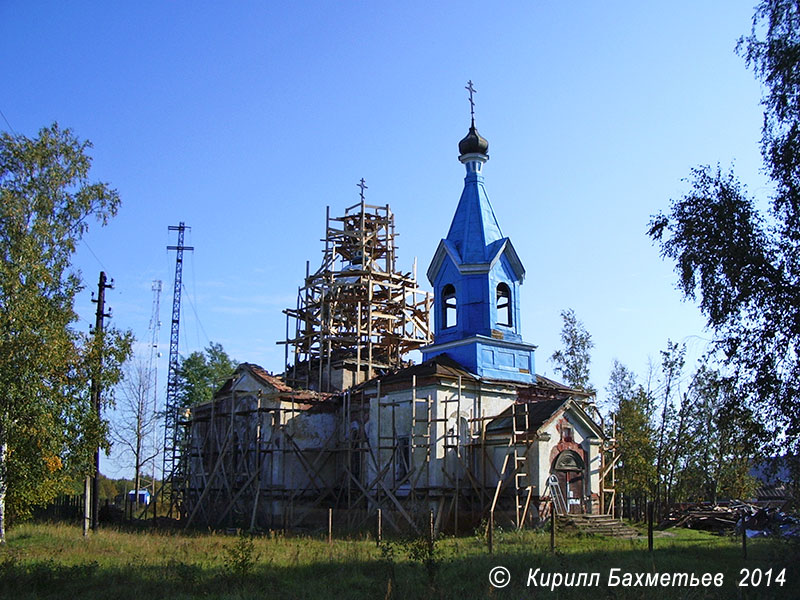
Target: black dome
<point>473,143</point>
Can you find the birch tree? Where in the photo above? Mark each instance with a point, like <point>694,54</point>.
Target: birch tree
<point>740,259</point>
<point>573,359</point>
<point>135,427</point>
<point>46,204</point>
<point>672,361</point>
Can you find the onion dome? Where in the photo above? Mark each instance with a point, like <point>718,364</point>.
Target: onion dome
<point>473,143</point>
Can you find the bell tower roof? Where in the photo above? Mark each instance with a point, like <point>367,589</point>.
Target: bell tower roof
<point>474,227</point>
<point>475,241</point>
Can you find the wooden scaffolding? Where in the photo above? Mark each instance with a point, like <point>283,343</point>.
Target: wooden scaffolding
<point>252,465</point>
<point>357,313</point>
<point>398,474</point>
<point>278,458</point>
<point>245,454</point>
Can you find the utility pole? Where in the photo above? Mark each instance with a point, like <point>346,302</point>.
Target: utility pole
<point>101,314</point>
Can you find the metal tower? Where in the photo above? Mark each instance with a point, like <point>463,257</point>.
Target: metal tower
<point>173,471</point>
<point>152,370</point>
<point>154,354</point>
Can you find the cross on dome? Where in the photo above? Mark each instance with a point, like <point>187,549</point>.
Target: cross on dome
<point>362,184</point>
<point>471,90</point>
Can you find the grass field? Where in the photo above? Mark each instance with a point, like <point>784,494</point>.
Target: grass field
<point>54,561</point>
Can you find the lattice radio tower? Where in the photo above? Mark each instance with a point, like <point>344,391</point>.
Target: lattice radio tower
<point>174,469</point>
<point>152,369</point>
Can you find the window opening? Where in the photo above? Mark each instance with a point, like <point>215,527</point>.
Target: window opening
<point>503,305</point>
<point>449,307</point>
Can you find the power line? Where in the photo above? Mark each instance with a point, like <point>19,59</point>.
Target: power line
<point>7,123</point>
<point>97,258</point>
<point>196,316</point>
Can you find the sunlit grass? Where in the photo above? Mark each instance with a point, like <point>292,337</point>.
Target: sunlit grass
<point>54,560</point>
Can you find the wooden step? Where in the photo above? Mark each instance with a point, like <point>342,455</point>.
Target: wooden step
<point>600,525</point>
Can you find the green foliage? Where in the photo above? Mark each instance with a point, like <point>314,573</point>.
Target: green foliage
<point>46,425</point>
<point>573,360</point>
<point>772,50</point>
<point>699,448</point>
<point>728,437</point>
<point>423,549</point>
<point>108,490</point>
<point>621,385</point>
<point>241,557</point>
<point>388,553</point>
<point>635,435</point>
<point>187,575</point>
<point>53,444</point>
<point>742,263</point>
<point>201,374</point>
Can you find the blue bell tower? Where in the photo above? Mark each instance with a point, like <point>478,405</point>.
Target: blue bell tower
<point>476,277</point>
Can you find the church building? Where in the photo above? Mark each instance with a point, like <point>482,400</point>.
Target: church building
<point>470,431</point>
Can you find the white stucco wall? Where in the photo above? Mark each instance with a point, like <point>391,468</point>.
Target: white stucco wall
<point>447,414</point>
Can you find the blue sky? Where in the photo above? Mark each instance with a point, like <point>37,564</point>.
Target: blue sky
<point>246,119</point>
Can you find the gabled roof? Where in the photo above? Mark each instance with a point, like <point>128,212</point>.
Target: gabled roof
<point>493,253</point>
<point>259,374</point>
<point>540,413</point>
<point>306,400</point>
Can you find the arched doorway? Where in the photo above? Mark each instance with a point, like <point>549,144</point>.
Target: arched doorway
<point>569,469</point>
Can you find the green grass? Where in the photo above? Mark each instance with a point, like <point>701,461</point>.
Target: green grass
<point>55,561</point>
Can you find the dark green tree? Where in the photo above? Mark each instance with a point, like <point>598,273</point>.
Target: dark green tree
<point>631,407</point>
<point>740,263</point>
<point>573,359</point>
<point>635,438</point>
<point>46,203</point>
<point>202,373</point>
<point>725,439</point>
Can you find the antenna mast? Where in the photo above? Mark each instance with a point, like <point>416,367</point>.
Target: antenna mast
<point>155,326</point>
<point>152,368</point>
<point>173,472</point>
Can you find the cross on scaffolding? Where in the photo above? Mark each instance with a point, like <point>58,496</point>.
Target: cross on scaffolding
<point>362,184</point>
<point>471,90</point>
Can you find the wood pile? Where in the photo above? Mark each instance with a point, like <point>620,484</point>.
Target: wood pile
<point>705,516</point>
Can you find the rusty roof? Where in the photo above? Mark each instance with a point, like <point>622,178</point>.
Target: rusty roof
<point>259,374</point>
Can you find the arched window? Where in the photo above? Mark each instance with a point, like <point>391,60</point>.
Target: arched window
<point>503,305</point>
<point>568,460</point>
<point>449,310</point>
